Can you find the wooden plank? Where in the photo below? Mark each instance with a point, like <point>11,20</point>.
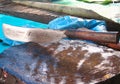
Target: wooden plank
<point>76,11</point>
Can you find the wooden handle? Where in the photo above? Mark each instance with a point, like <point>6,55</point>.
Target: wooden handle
<point>101,37</point>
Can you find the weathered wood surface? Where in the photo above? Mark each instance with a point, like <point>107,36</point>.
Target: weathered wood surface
<point>77,11</point>
<point>88,11</point>
<point>65,62</point>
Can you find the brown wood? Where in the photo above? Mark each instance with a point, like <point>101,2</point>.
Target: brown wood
<point>102,37</point>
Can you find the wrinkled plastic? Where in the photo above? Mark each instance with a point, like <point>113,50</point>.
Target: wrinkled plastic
<point>70,22</point>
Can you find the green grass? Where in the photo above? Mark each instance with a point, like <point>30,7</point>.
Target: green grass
<point>105,2</point>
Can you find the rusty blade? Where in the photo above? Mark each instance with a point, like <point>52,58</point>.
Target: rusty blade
<point>47,35</point>
<point>32,34</point>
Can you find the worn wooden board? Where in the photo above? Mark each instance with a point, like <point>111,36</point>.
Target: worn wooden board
<point>92,11</point>
<point>64,62</point>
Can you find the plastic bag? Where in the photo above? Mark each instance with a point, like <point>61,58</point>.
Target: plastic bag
<point>70,22</point>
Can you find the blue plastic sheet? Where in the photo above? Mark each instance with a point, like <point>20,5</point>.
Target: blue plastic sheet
<point>70,22</point>
<point>3,46</point>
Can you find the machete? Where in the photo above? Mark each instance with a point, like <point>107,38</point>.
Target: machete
<point>39,35</point>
